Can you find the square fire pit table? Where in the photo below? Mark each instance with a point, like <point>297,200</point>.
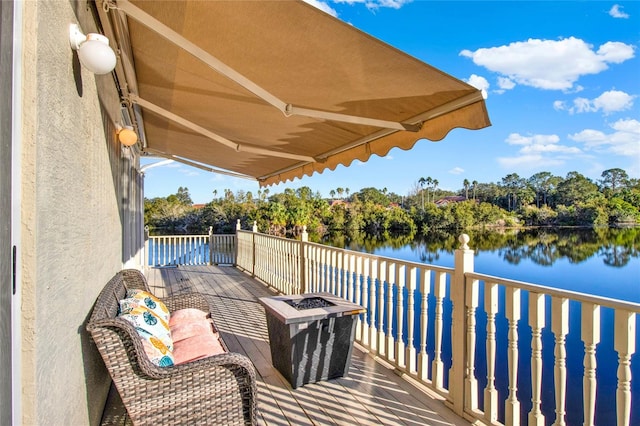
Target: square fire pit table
<point>311,335</point>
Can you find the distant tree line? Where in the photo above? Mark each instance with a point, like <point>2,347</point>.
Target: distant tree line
<point>541,200</point>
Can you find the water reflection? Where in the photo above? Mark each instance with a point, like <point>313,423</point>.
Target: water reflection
<point>544,247</point>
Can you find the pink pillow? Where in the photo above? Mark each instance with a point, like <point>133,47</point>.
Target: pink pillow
<point>196,347</point>
<point>186,315</point>
<point>184,330</point>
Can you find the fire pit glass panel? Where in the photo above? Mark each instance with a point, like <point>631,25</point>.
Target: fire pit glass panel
<point>311,336</point>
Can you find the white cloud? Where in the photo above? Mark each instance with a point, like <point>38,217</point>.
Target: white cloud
<point>528,162</point>
<point>478,82</point>
<point>616,52</point>
<point>324,6</point>
<point>376,4</point>
<point>456,171</point>
<point>537,151</point>
<point>559,106</point>
<point>613,100</point>
<point>616,12</point>
<point>549,64</point>
<point>608,102</point>
<point>506,83</point>
<point>518,139</point>
<point>624,140</point>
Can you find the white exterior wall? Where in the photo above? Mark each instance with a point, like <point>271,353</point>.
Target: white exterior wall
<point>72,216</point>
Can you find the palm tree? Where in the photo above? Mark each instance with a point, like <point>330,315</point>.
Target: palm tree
<point>332,194</point>
<point>422,182</point>
<point>466,188</point>
<point>475,186</point>
<point>435,185</point>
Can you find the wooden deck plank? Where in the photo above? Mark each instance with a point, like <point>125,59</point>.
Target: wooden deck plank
<point>371,394</point>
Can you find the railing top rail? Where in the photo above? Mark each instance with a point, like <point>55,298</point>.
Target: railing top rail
<point>573,295</point>
<point>275,237</point>
<point>190,235</point>
<point>408,263</point>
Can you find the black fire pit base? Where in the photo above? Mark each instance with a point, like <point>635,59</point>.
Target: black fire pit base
<point>314,344</point>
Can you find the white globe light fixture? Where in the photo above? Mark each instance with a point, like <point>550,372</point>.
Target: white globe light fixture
<point>93,50</point>
<point>126,135</point>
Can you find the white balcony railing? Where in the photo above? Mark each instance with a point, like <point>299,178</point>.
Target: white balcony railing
<point>172,250</point>
<point>500,351</point>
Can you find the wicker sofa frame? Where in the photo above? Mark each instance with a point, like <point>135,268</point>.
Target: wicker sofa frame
<point>218,390</point>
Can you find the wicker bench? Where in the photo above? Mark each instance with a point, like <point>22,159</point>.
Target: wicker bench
<point>220,389</point>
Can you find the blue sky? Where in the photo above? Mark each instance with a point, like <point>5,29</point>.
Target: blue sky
<point>563,84</point>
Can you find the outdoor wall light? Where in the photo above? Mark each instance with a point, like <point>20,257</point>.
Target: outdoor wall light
<point>126,135</point>
<point>93,50</point>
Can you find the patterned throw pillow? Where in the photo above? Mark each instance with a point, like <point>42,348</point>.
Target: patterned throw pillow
<point>144,319</point>
<point>158,352</point>
<point>137,297</point>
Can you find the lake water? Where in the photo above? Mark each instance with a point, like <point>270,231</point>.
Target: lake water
<point>600,262</point>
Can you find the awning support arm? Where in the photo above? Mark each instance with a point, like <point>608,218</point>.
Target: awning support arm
<point>286,108</point>
<point>214,136</point>
<point>156,153</point>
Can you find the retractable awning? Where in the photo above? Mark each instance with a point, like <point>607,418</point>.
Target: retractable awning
<point>276,90</point>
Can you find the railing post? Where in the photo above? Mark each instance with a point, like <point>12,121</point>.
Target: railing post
<point>211,245</point>
<point>254,229</point>
<point>236,244</point>
<point>462,383</point>
<point>145,257</point>
<point>304,238</point>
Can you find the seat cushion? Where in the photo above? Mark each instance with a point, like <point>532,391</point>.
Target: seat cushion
<point>182,316</point>
<point>196,347</point>
<point>184,330</point>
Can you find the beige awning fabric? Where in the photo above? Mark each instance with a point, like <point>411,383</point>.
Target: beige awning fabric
<point>277,90</point>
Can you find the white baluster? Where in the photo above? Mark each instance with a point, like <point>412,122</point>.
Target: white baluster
<point>590,337</point>
<point>625,345</point>
<point>365,326</point>
<point>437,367</point>
<point>470,381</point>
<point>512,308</point>
<point>560,328</point>
<point>389,336</point>
<point>400,284</point>
<point>423,357</point>
<point>382,269</point>
<point>357,297</point>
<point>537,322</point>
<point>490,391</point>
<point>374,302</point>
<point>410,357</point>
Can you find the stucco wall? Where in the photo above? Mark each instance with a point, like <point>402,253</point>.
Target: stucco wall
<point>71,216</point>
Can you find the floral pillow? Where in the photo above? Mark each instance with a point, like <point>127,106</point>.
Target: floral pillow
<point>144,319</point>
<point>156,350</point>
<point>137,297</point>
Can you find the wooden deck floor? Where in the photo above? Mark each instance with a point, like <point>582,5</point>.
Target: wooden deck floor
<point>371,394</point>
